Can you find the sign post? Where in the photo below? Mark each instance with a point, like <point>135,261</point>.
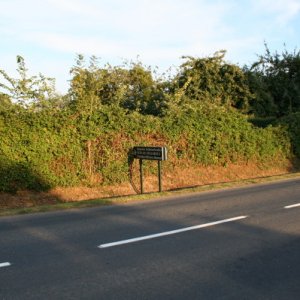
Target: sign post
<point>159,175</point>
<point>149,153</point>
<point>141,176</point>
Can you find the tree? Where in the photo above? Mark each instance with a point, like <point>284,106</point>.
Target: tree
<point>143,93</point>
<point>28,91</point>
<point>131,87</point>
<point>85,85</point>
<point>213,80</point>
<point>275,81</point>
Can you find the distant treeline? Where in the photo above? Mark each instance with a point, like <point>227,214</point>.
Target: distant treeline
<point>210,112</point>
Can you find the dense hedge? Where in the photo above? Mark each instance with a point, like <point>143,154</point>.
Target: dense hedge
<point>210,113</point>
<point>291,124</point>
<point>40,150</point>
<point>48,148</point>
<point>215,135</point>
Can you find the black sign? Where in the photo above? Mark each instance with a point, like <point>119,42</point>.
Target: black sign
<point>152,153</point>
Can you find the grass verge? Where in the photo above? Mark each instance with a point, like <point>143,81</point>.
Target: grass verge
<point>143,197</point>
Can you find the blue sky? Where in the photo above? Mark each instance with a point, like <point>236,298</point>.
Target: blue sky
<point>49,33</point>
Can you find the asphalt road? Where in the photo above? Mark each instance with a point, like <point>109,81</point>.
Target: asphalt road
<point>232,244</point>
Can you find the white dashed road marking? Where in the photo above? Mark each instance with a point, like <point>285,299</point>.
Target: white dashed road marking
<point>152,236</point>
<point>5,264</point>
<point>292,206</point>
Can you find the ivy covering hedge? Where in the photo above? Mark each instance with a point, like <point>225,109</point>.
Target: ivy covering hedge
<point>40,150</point>
<point>210,113</point>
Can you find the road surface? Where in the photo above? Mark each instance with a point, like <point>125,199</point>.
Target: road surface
<point>241,243</point>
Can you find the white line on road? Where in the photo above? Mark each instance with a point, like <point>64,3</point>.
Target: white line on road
<point>152,236</point>
<point>5,264</point>
<point>292,206</point>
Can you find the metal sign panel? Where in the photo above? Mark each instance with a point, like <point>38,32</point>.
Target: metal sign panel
<point>152,153</point>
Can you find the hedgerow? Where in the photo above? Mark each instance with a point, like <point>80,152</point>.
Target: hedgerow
<point>215,135</point>
<point>45,144</point>
<point>203,115</point>
<point>44,149</point>
<point>291,124</point>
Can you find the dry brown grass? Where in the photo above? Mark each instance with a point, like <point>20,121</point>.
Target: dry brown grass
<point>180,177</point>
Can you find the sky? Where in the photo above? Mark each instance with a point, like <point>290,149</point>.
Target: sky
<point>50,33</point>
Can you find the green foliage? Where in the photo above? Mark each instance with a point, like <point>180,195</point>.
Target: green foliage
<point>213,80</point>
<point>130,87</point>
<point>214,135</point>
<point>5,102</point>
<point>291,123</point>
<point>47,149</point>
<point>275,80</point>
<point>84,86</point>
<point>262,122</point>
<point>43,143</point>
<point>19,176</point>
<point>84,137</point>
<point>28,91</point>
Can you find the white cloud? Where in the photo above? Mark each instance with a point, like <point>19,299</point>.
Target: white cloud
<point>159,31</point>
<point>283,10</point>
<point>71,7</point>
<point>135,27</point>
